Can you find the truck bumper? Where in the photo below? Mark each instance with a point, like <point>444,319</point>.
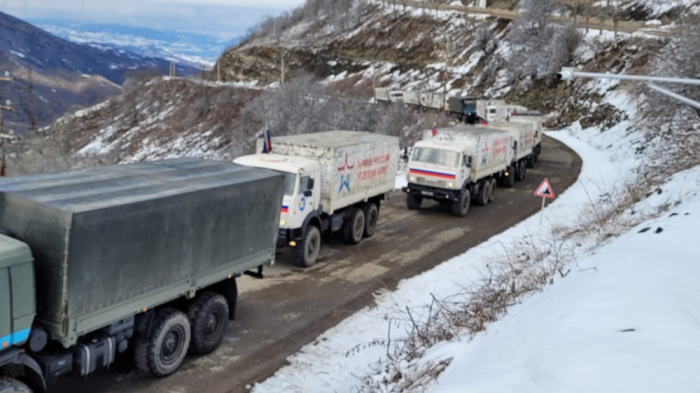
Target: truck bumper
<point>285,235</point>
<point>439,194</point>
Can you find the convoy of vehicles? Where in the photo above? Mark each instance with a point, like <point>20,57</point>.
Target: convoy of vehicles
<point>334,182</point>
<point>457,165</point>
<point>95,261</point>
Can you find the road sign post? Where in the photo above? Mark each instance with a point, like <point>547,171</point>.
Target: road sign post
<point>545,192</point>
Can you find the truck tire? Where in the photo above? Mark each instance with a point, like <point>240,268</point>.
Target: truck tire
<point>520,171</point>
<point>460,208</point>
<point>484,194</point>
<point>413,202</point>
<point>11,385</point>
<point>161,353</point>
<point>354,226</point>
<point>531,160</point>
<point>508,181</point>
<point>371,218</point>
<point>537,155</point>
<point>306,253</point>
<point>208,316</point>
<point>492,196</point>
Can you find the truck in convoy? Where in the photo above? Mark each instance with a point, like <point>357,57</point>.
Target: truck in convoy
<point>382,94</point>
<point>471,109</point>
<point>502,112</point>
<point>432,100</point>
<point>94,261</point>
<point>523,149</point>
<point>533,118</point>
<point>457,165</point>
<point>334,182</point>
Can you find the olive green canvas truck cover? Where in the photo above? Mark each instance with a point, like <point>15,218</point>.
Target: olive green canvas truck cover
<point>111,241</point>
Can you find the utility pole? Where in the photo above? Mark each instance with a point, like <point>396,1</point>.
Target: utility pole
<point>6,107</point>
<point>282,67</point>
<point>447,52</point>
<point>588,13</point>
<point>32,105</point>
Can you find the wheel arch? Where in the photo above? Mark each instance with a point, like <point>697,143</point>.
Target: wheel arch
<point>27,370</point>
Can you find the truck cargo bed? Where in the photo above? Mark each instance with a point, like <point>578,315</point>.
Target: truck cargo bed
<point>111,241</point>
<point>355,166</point>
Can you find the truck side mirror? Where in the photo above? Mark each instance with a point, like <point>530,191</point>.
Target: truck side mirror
<point>468,161</point>
<point>308,193</point>
<point>311,184</point>
<point>515,144</point>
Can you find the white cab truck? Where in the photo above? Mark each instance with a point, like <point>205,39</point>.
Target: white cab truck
<point>457,165</point>
<point>522,147</point>
<point>334,181</point>
<point>502,112</point>
<point>533,118</point>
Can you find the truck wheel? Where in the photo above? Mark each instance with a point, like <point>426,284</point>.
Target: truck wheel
<point>531,160</point>
<point>508,181</point>
<point>354,226</point>
<point>460,208</point>
<point>306,253</point>
<point>492,196</point>
<point>519,175</point>
<point>484,195</point>
<point>413,202</point>
<point>208,316</point>
<point>165,347</point>
<point>11,385</point>
<point>371,218</point>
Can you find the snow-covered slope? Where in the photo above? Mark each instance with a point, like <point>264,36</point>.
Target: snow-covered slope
<point>626,319</point>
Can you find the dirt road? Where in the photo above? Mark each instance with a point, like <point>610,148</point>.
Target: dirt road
<point>291,307</point>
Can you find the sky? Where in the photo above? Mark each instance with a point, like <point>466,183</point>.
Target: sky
<point>223,19</point>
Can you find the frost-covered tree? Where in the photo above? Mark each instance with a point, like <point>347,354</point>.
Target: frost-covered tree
<point>538,47</point>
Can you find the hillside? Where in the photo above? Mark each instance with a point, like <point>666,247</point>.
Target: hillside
<point>348,46</point>
<point>63,74</point>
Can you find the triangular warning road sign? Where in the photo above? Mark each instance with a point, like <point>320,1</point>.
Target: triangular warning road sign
<point>545,190</point>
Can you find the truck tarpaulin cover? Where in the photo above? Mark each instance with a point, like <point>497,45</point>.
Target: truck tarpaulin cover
<point>103,236</point>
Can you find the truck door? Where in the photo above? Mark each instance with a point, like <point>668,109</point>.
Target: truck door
<point>309,194</point>
<point>5,310</point>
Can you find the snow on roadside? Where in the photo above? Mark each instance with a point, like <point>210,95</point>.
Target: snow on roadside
<point>333,364</point>
<point>625,320</point>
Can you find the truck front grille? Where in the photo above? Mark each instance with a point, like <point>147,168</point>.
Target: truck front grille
<point>420,180</point>
<point>442,183</point>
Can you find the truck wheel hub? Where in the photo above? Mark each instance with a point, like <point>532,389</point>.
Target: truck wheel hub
<point>172,345</point>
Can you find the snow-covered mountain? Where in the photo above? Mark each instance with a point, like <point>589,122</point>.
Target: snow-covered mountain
<point>192,49</point>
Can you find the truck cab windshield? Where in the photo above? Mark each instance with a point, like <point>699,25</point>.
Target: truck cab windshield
<point>290,180</point>
<point>436,156</point>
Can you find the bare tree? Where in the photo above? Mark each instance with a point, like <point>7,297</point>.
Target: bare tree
<point>540,48</point>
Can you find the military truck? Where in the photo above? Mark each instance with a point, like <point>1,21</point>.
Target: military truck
<point>456,165</point>
<point>335,181</point>
<point>94,261</point>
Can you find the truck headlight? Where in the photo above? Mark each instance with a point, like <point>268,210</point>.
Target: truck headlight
<point>283,222</point>
<point>450,185</point>
<point>412,178</point>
